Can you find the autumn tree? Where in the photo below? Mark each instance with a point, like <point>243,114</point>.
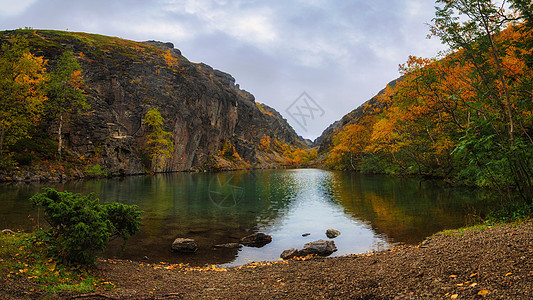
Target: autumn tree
<point>22,76</point>
<point>473,27</point>
<point>159,144</point>
<point>65,92</point>
<point>349,145</point>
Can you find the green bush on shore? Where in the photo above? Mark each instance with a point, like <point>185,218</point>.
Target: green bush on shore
<point>80,227</point>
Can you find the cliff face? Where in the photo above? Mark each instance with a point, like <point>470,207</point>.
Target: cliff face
<point>325,140</point>
<point>203,108</point>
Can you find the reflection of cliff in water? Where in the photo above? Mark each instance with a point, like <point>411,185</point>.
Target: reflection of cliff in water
<point>406,209</point>
<point>224,207</point>
<point>210,208</point>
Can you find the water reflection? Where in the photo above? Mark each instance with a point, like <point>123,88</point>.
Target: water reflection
<point>372,212</point>
<point>406,209</point>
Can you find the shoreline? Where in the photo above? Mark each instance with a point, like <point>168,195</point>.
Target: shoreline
<point>464,262</point>
<point>492,262</point>
<point>29,177</point>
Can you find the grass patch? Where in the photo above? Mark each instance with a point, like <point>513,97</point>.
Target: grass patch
<point>513,213</point>
<point>461,231</point>
<point>23,259</point>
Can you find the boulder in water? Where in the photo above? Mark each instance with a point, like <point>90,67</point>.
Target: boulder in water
<point>332,233</point>
<point>257,240</point>
<point>184,245</point>
<point>228,246</point>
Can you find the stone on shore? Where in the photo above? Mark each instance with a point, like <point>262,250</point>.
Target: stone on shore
<point>290,253</point>
<point>320,247</point>
<point>184,245</point>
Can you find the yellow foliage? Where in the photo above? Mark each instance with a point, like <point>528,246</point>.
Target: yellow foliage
<point>170,59</point>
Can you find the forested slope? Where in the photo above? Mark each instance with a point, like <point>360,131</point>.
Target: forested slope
<point>466,116</point>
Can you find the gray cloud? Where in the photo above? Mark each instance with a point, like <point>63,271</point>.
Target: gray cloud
<point>339,52</point>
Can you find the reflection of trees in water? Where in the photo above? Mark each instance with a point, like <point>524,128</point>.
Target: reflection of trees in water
<point>179,205</point>
<point>276,191</point>
<point>16,211</point>
<point>406,209</point>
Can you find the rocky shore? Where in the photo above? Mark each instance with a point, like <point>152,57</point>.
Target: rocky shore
<point>485,262</point>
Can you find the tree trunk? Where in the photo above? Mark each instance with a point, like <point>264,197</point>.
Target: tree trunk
<point>59,136</point>
<point>2,140</point>
<point>502,80</point>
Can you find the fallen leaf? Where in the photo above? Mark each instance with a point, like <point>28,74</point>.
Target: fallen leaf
<point>473,284</point>
<point>483,292</point>
<point>508,274</point>
<point>472,275</point>
<point>454,296</point>
<point>459,284</point>
<point>453,276</point>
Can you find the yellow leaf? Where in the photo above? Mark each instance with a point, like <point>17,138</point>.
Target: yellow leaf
<point>508,274</point>
<point>472,275</point>
<point>473,284</point>
<point>454,296</point>
<point>459,284</point>
<point>453,276</point>
<point>483,292</point>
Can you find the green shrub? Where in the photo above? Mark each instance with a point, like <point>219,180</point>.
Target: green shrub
<point>80,226</point>
<point>371,164</point>
<point>95,171</point>
<point>512,212</point>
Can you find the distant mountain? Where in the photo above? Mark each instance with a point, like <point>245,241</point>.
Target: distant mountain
<point>325,140</point>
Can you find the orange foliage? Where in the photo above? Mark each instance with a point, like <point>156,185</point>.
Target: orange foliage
<point>432,106</point>
<point>170,59</point>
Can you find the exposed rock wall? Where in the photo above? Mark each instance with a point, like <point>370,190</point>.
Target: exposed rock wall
<point>203,108</point>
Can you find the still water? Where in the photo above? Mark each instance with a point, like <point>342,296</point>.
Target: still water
<point>372,212</point>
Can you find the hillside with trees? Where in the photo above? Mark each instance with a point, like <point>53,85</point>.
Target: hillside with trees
<point>76,105</point>
<point>466,117</point>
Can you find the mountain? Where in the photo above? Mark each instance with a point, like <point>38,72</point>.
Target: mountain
<point>325,140</point>
<point>214,123</point>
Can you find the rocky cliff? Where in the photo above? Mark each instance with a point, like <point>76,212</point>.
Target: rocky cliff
<point>202,107</point>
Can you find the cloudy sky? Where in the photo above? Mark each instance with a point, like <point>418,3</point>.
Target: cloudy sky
<point>340,53</point>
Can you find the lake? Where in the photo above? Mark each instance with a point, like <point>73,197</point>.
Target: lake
<point>373,212</point>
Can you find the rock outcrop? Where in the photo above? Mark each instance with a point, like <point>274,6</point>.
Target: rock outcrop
<point>202,107</point>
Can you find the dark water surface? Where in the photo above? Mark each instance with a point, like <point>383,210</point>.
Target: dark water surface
<point>372,212</point>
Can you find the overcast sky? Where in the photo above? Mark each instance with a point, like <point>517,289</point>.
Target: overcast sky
<point>340,53</point>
